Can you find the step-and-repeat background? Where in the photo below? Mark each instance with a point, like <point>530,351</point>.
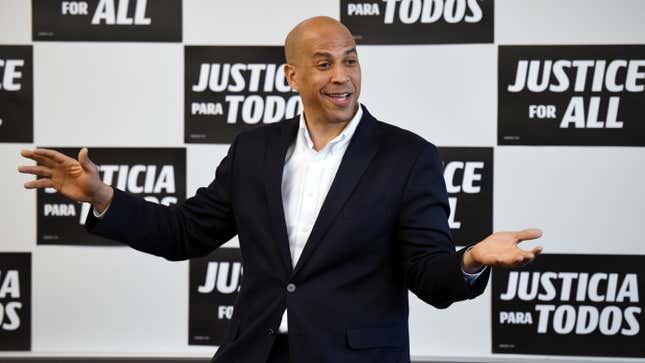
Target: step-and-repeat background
<point>538,108</point>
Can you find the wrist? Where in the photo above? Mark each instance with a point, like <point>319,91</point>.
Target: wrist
<point>468,262</point>
<point>103,198</point>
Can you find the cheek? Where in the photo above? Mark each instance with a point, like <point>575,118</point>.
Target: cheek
<point>356,80</point>
<point>310,93</point>
<point>313,85</point>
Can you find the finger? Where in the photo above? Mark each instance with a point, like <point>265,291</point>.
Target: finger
<point>528,255</point>
<point>39,183</point>
<point>35,170</point>
<point>528,234</point>
<point>532,253</point>
<point>84,159</point>
<point>53,155</point>
<point>37,158</point>
<point>519,259</point>
<point>523,257</point>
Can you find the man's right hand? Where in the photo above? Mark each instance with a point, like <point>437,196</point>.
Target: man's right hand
<point>76,179</point>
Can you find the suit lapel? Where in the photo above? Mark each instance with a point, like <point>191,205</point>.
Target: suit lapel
<point>275,152</point>
<point>359,153</point>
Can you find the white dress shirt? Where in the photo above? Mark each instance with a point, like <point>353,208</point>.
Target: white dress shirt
<point>306,178</point>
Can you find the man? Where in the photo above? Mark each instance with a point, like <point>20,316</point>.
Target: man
<point>338,215</point>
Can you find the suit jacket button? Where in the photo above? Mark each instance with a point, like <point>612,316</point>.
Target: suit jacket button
<point>270,331</point>
<point>291,288</point>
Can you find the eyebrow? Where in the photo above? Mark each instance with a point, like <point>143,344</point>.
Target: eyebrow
<point>349,51</point>
<point>329,55</point>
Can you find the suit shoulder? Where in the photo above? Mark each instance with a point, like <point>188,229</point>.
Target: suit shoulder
<point>402,139</point>
<point>263,130</point>
<point>258,134</point>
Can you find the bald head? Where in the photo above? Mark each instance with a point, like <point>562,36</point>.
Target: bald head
<point>316,27</point>
<point>322,66</point>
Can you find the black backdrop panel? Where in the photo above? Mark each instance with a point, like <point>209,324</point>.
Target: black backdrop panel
<point>16,94</point>
<point>214,284</point>
<point>230,89</point>
<point>572,95</point>
<point>585,305</point>
<point>107,20</point>
<point>156,174</point>
<point>468,172</point>
<point>419,21</point>
<point>15,301</point>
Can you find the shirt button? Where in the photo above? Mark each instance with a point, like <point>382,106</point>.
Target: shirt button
<point>270,331</point>
<point>291,288</point>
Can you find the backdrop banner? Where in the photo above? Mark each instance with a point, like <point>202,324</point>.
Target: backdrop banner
<point>419,21</point>
<point>156,174</point>
<point>230,89</point>
<point>571,95</point>
<point>585,305</point>
<point>15,301</point>
<point>214,284</point>
<point>16,94</point>
<point>468,172</point>
<point>107,20</point>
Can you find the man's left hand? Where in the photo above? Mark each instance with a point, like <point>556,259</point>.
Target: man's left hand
<point>500,249</point>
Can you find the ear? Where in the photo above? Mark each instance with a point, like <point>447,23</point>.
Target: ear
<point>290,75</point>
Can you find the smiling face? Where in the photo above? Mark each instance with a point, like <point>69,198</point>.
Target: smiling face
<point>322,65</point>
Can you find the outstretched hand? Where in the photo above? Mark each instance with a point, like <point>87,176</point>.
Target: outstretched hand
<point>76,179</point>
<point>500,249</point>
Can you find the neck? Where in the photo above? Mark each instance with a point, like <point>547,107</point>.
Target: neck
<point>323,132</point>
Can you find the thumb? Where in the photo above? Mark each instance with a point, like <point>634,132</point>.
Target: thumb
<point>84,160</point>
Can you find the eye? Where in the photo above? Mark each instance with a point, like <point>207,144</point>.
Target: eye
<point>351,61</point>
<point>323,65</point>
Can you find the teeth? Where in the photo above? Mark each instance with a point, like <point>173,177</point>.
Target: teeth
<point>340,95</point>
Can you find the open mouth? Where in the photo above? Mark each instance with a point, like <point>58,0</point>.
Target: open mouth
<point>339,98</point>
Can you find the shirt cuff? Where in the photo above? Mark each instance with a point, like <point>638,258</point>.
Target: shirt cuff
<point>471,278</point>
<point>98,215</point>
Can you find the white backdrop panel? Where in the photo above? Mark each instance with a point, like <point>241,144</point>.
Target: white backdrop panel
<point>15,22</point>
<point>442,92</point>
<point>17,205</point>
<point>248,22</point>
<point>569,22</point>
<point>114,94</point>
<point>586,200</point>
<point>114,301</point>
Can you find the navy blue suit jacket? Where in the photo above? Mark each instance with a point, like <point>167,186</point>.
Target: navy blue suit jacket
<point>382,230</point>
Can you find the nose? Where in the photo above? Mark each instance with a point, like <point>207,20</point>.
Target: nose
<point>339,74</point>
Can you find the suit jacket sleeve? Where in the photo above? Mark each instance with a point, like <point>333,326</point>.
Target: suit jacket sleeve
<point>432,267</point>
<point>191,229</point>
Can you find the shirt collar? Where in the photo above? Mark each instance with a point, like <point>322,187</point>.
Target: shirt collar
<point>341,138</point>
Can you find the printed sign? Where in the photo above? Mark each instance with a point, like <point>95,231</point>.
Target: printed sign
<point>15,301</point>
<point>572,95</point>
<point>107,20</point>
<point>214,284</point>
<point>570,305</point>
<point>16,94</point>
<point>468,173</point>
<point>230,89</point>
<point>155,174</point>
<point>419,21</point>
